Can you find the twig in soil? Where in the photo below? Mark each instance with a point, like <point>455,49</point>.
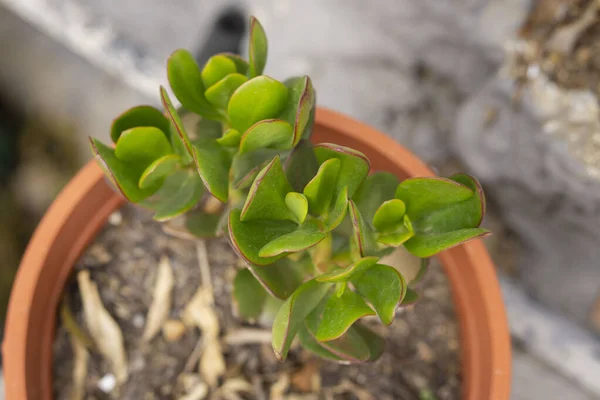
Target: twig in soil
<point>194,357</point>
<point>247,336</point>
<point>257,384</point>
<point>279,388</point>
<point>161,303</point>
<point>80,368</point>
<point>178,232</point>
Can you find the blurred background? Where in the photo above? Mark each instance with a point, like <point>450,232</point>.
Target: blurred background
<point>505,89</point>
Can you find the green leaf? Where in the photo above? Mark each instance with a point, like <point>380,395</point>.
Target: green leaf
<point>320,190</point>
<point>282,277</point>
<point>293,312</point>
<point>428,245</point>
<point>249,237</point>
<point>477,203</point>
<point>245,167</point>
<point>346,274</point>
<point>124,175</point>
<point>216,68</point>
<point>231,138</point>
<point>201,224</point>
<point>139,116</point>
<point>354,165</point>
<point>363,236</point>
<point>400,235</point>
<point>259,98</point>
<point>309,343</point>
<point>301,166</point>
<point>179,138</point>
<point>186,81</point>
<point>375,189</point>
<point>266,199</point>
<point>375,342</point>
<point>179,193</point>
<point>422,195</point>
<point>257,57</point>
<point>158,170</point>
<point>273,133</point>
<point>300,104</point>
<point>338,212</point>
<point>389,216</point>
<point>208,129</point>
<point>338,314</point>
<point>298,205</point>
<point>241,66</point>
<point>213,163</point>
<point>142,145</point>
<point>410,298</point>
<point>248,294</point>
<point>348,348</point>
<point>383,287</point>
<point>220,93</point>
<point>302,238</point>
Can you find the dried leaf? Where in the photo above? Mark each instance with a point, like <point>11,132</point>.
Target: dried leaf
<point>80,368</point>
<point>161,302</point>
<point>248,336</point>
<point>198,392</point>
<point>280,387</point>
<point>212,362</point>
<point>102,327</point>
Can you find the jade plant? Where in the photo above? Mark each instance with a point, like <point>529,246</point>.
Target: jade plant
<point>311,222</point>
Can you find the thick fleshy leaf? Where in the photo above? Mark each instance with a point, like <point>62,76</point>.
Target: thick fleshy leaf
<point>320,254</point>
<point>300,104</point>
<point>348,348</point>
<point>142,145</point>
<point>338,211</point>
<point>338,314</point>
<point>231,138</point>
<point>424,195</point>
<point>321,189</point>
<point>375,189</point>
<point>201,224</point>
<point>179,193</point>
<point>241,65</point>
<point>428,245</point>
<point>282,277</point>
<point>273,133</point>
<point>389,216</point>
<point>158,170</point>
<point>293,312</point>
<point>259,98</point>
<point>208,129</point>
<point>375,342</point>
<point>400,235</point>
<point>245,167</point>
<point>124,175</point>
<point>249,237</point>
<point>220,93</point>
<point>383,287</point>
<point>213,163</point>
<point>266,198</point>
<point>363,236</point>
<point>139,116</point>
<point>249,295</point>
<point>354,165</point>
<point>179,137</point>
<point>410,298</point>
<point>301,166</point>
<point>309,343</point>
<point>298,205</point>
<point>302,238</point>
<point>216,68</point>
<point>186,81</point>
<point>346,274</point>
<point>257,57</point>
<point>477,206</point>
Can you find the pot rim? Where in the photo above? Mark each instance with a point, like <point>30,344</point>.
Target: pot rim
<point>87,201</point>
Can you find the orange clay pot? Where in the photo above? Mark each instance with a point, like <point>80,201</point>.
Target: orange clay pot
<point>82,208</point>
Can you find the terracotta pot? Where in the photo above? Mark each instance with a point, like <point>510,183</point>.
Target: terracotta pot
<point>82,208</point>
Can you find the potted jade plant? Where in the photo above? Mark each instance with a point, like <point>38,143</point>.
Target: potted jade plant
<point>311,202</point>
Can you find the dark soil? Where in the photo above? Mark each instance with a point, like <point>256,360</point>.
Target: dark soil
<point>421,360</point>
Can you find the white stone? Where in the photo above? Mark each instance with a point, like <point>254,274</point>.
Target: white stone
<point>107,383</point>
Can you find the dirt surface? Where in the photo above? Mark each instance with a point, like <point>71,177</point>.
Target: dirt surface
<point>421,360</point>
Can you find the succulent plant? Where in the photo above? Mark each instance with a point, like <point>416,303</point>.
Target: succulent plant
<point>310,221</point>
